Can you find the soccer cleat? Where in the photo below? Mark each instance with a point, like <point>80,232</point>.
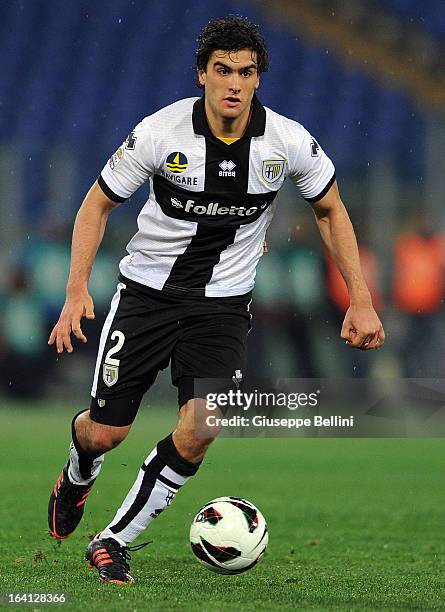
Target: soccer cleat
<point>111,559</point>
<point>66,505</point>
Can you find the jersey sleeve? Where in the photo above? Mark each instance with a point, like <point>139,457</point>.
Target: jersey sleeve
<point>130,166</point>
<point>310,168</point>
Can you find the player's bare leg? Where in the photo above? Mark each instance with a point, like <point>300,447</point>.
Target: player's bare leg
<point>90,440</point>
<point>192,437</point>
<point>166,469</point>
<point>95,437</point>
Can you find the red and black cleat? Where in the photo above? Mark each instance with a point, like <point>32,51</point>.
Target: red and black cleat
<point>111,559</point>
<point>66,505</point>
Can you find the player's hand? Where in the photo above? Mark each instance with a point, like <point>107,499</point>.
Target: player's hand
<point>362,328</point>
<point>76,306</point>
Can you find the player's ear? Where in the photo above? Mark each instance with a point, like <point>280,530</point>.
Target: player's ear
<point>201,77</point>
<point>257,82</point>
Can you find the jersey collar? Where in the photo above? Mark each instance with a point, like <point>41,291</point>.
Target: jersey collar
<point>256,127</point>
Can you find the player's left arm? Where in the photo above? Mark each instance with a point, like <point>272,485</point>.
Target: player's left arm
<point>362,327</point>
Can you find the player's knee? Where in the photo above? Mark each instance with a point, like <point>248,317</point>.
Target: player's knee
<point>104,437</point>
<point>197,423</point>
<point>105,440</point>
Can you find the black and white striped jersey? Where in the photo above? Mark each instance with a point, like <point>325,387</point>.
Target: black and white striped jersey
<point>202,228</point>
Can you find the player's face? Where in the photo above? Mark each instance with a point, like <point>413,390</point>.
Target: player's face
<point>230,81</point>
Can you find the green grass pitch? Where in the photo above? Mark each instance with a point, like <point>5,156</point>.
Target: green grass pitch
<point>354,524</point>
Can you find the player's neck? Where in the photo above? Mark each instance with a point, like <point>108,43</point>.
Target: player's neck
<point>223,127</point>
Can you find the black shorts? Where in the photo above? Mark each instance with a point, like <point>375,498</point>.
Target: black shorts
<point>146,329</point>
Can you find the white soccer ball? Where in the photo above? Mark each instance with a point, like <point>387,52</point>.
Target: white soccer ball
<point>229,535</point>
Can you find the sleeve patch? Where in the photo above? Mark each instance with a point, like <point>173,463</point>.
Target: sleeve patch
<point>130,143</point>
<point>310,168</point>
<point>116,158</point>
<point>315,148</point>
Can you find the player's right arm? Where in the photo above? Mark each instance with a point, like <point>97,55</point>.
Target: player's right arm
<point>130,166</point>
<point>88,232</point>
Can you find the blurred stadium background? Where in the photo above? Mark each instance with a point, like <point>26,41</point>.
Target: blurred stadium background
<point>365,77</point>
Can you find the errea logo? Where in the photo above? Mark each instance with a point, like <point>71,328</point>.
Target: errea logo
<point>227,168</point>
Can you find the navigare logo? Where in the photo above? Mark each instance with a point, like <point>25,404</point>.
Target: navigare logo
<point>227,168</point>
<point>215,208</point>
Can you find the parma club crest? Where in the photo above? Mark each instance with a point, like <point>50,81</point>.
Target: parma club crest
<point>272,170</point>
<point>110,374</point>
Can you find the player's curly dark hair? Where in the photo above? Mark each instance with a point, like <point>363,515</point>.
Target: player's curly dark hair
<point>231,34</point>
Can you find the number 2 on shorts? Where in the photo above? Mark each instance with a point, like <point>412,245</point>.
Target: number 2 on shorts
<point>109,359</point>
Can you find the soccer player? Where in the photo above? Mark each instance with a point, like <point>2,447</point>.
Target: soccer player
<point>214,165</point>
